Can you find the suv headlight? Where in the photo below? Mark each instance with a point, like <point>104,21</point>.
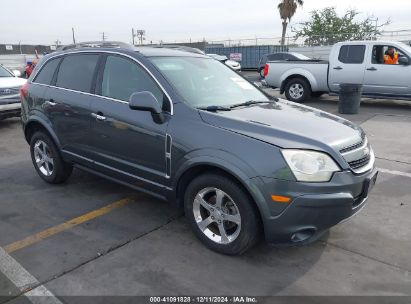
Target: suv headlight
<point>310,166</point>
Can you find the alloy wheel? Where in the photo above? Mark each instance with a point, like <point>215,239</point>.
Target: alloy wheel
<point>217,215</point>
<point>296,91</point>
<point>43,158</point>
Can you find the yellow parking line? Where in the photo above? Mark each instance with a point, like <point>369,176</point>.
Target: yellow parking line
<point>30,240</point>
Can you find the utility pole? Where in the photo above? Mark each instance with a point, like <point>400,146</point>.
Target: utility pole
<point>57,42</point>
<point>132,35</point>
<point>74,38</point>
<point>140,34</point>
<point>103,36</point>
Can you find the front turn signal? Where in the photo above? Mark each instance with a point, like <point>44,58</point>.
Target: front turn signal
<point>280,199</point>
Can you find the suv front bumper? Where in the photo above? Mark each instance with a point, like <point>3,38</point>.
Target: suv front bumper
<point>312,213</point>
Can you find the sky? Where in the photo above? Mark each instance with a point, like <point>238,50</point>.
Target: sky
<point>45,21</point>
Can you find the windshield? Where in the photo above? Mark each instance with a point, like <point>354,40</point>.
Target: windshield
<point>5,73</point>
<point>204,82</point>
<point>405,47</point>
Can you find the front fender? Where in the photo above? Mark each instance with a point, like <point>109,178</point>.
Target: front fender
<point>226,162</point>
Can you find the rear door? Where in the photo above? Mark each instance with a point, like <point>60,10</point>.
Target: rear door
<point>386,79</point>
<point>347,65</point>
<point>68,100</point>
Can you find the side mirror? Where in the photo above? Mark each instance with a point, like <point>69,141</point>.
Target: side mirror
<point>403,61</point>
<point>17,73</point>
<point>146,101</point>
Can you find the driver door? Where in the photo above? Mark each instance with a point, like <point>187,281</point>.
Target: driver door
<point>386,79</point>
<point>129,144</point>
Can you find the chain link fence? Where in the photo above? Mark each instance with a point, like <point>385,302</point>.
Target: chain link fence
<point>318,40</point>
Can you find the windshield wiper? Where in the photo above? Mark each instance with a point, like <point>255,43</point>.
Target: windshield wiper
<point>214,108</point>
<point>250,103</point>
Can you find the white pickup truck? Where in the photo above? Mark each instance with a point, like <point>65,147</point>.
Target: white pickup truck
<point>359,62</point>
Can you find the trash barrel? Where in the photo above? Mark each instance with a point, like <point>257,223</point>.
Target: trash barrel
<point>350,98</point>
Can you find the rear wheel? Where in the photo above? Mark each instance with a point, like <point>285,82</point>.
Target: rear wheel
<point>221,214</point>
<point>261,73</point>
<point>47,160</point>
<point>297,90</point>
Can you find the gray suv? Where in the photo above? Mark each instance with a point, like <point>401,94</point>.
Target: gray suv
<point>189,130</point>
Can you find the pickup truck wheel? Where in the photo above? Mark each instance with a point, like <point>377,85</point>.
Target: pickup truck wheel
<point>261,73</point>
<point>297,90</point>
<point>221,214</point>
<point>47,160</point>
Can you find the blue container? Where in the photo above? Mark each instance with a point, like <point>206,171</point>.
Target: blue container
<point>251,55</point>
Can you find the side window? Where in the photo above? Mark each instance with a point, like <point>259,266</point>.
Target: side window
<point>122,78</point>
<point>352,54</point>
<point>76,72</point>
<point>45,76</point>
<point>276,57</point>
<point>386,54</point>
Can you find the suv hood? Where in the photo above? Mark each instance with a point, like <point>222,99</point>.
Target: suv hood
<point>11,82</point>
<point>289,125</point>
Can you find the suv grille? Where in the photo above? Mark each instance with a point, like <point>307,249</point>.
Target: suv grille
<point>356,164</point>
<point>356,146</point>
<point>359,155</point>
<point>9,91</point>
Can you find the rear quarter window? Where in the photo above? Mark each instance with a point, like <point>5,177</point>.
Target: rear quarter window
<point>45,76</point>
<point>76,72</point>
<point>352,54</point>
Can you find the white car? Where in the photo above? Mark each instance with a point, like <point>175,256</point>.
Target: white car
<point>10,84</point>
<point>236,66</point>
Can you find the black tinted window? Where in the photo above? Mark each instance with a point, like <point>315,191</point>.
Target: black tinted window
<point>352,54</point>
<point>122,78</point>
<point>275,57</point>
<point>76,72</point>
<point>45,76</point>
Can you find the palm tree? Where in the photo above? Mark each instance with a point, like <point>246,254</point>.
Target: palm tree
<point>287,9</point>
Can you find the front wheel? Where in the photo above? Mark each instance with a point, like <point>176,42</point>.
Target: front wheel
<point>297,90</point>
<point>221,214</point>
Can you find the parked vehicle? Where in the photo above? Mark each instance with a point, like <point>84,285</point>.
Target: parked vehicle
<point>359,62</point>
<point>10,84</point>
<point>236,66</point>
<point>187,129</point>
<point>288,56</point>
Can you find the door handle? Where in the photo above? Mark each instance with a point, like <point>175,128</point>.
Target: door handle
<point>50,103</point>
<point>98,116</point>
<point>371,69</point>
<point>338,68</point>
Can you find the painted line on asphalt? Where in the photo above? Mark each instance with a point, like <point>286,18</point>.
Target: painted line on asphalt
<point>23,280</point>
<point>35,238</point>
<point>394,172</point>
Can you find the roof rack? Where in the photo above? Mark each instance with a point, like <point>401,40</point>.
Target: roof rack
<point>97,44</point>
<point>179,47</point>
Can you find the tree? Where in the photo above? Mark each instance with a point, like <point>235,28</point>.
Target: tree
<point>287,9</point>
<point>325,27</point>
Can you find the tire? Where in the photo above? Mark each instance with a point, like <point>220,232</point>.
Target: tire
<point>261,73</point>
<point>237,216</point>
<point>317,94</point>
<point>297,90</point>
<point>47,160</point>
